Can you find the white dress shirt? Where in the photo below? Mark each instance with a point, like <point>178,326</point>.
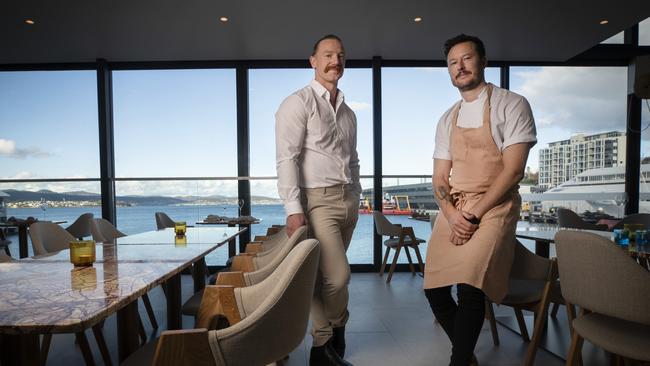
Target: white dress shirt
<point>315,144</point>
<point>511,121</point>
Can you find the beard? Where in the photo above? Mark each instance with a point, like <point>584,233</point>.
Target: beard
<point>468,84</point>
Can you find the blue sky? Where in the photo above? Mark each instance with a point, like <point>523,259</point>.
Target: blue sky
<point>183,122</point>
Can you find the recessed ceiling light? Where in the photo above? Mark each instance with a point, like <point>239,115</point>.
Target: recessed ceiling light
<point>30,21</point>
<point>417,19</point>
<point>224,19</point>
<point>604,21</point>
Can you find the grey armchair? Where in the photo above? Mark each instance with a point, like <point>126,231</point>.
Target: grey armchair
<point>275,310</point>
<point>614,300</point>
<point>48,237</point>
<point>569,219</point>
<point>163,221</point>
<point>530,287</point>
<point>250,269</point>
<point>82,226</point>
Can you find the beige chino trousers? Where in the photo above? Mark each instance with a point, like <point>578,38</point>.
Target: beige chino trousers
<point>332,214</point>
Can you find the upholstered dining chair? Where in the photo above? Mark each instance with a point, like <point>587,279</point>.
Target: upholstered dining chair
<point>399,237</point>
<point>613,300</point>
<point>530,285</point>
<point>275,310</point>
<point>47,238</point>
<point>104,231</point>
<point>4,242</point>
<point>249,269</point>
<point>569,219</point>
<point>4,258</point>
<point>82,226</point>
<point>163,221</point>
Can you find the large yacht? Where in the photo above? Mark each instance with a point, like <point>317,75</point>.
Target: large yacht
<point>594,190</point>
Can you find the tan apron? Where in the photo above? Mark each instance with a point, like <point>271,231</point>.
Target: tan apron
<point>485,260</point>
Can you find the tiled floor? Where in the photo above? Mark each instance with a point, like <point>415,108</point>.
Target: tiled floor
<point>389,325</point>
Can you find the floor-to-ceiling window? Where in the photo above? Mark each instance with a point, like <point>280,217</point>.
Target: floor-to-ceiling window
<point>580,114</point>
<point>49,140</point>
<point>175,147</point>
<point>413,100</point>
<point>267,89</point>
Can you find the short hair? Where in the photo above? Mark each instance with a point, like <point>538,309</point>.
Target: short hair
<point>451,42</point>
<point>329,36</point>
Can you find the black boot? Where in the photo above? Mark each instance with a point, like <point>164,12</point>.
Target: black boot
<point>338,341</point>
<point>325,355</point>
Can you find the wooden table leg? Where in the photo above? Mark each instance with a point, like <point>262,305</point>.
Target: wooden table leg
<point>174,316</point>
<point>542,248</point>
<point>127,331</point>
<point>199,275</point>
<point>20,349</point>
<point>22,241</point>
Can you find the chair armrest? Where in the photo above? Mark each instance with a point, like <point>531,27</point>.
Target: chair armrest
<point>185,347</point>
<point>217,301</point>
<point>233,278</point>
<point>243,262</point>
<point>254,247</point>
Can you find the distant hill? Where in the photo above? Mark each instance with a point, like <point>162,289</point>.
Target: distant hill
<point>21,196</point>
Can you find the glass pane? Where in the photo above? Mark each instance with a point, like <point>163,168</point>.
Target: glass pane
<point>407,202</point>
<point>48,125</point>
<point>615,39</point>
<point>413,99</point>
<point>644,184</point>
<point>580,113</point>
<point>644,32</point>
<point>269,87</point>
<point>47,201</point>
<point>175,123</point>
<point>267,206</point>
<point>189,201</point>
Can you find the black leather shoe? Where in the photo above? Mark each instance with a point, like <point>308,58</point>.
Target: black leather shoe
<point>338,341</point>
<point>325,355</point>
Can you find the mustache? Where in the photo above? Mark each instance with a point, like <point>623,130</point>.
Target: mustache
<point>337,68</point>
<point>463,73</point>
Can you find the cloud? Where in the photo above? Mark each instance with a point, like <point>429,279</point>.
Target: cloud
<point>8,148</point>
<point>577,99</point>
<point>358,106</point>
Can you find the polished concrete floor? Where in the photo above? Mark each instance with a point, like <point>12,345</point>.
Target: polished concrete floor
<point>390,324</point>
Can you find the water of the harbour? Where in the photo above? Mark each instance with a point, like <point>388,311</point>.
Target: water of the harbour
<point>137,219</point>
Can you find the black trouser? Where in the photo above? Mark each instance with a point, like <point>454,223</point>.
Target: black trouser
<point>462,322</point>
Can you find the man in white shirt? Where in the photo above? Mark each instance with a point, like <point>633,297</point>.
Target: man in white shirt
<point>482,143</point>
<point>318,182</point>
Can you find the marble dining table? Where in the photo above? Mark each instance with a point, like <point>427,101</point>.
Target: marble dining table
<point>47,294</point>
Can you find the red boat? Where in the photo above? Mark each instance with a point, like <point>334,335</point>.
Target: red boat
<point>395,205</point>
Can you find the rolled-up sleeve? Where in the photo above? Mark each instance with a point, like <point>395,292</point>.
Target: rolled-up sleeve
<point>443,134</point>
<point>290,128</point>
<point>519,124</point>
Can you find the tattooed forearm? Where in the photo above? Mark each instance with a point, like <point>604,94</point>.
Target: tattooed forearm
<point>442,194</point>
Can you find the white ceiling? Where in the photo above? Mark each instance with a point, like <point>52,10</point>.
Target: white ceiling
<point>182,30</point>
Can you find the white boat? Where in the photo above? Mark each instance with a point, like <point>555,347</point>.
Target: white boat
<point>601,190</point>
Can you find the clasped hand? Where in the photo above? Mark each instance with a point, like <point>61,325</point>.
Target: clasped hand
<point>461,227</point>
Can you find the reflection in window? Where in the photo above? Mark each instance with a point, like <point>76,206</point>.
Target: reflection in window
<point>644,32</point>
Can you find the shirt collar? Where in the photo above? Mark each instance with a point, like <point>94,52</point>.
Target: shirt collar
<point>481,96</point>
<point>324,93</point>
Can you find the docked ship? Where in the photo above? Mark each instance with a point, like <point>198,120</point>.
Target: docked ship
<point>595,190</point>
<point>392,205</point>
<point>403,199</point>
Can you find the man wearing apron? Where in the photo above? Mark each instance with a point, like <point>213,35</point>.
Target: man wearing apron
<point>482,144</point>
